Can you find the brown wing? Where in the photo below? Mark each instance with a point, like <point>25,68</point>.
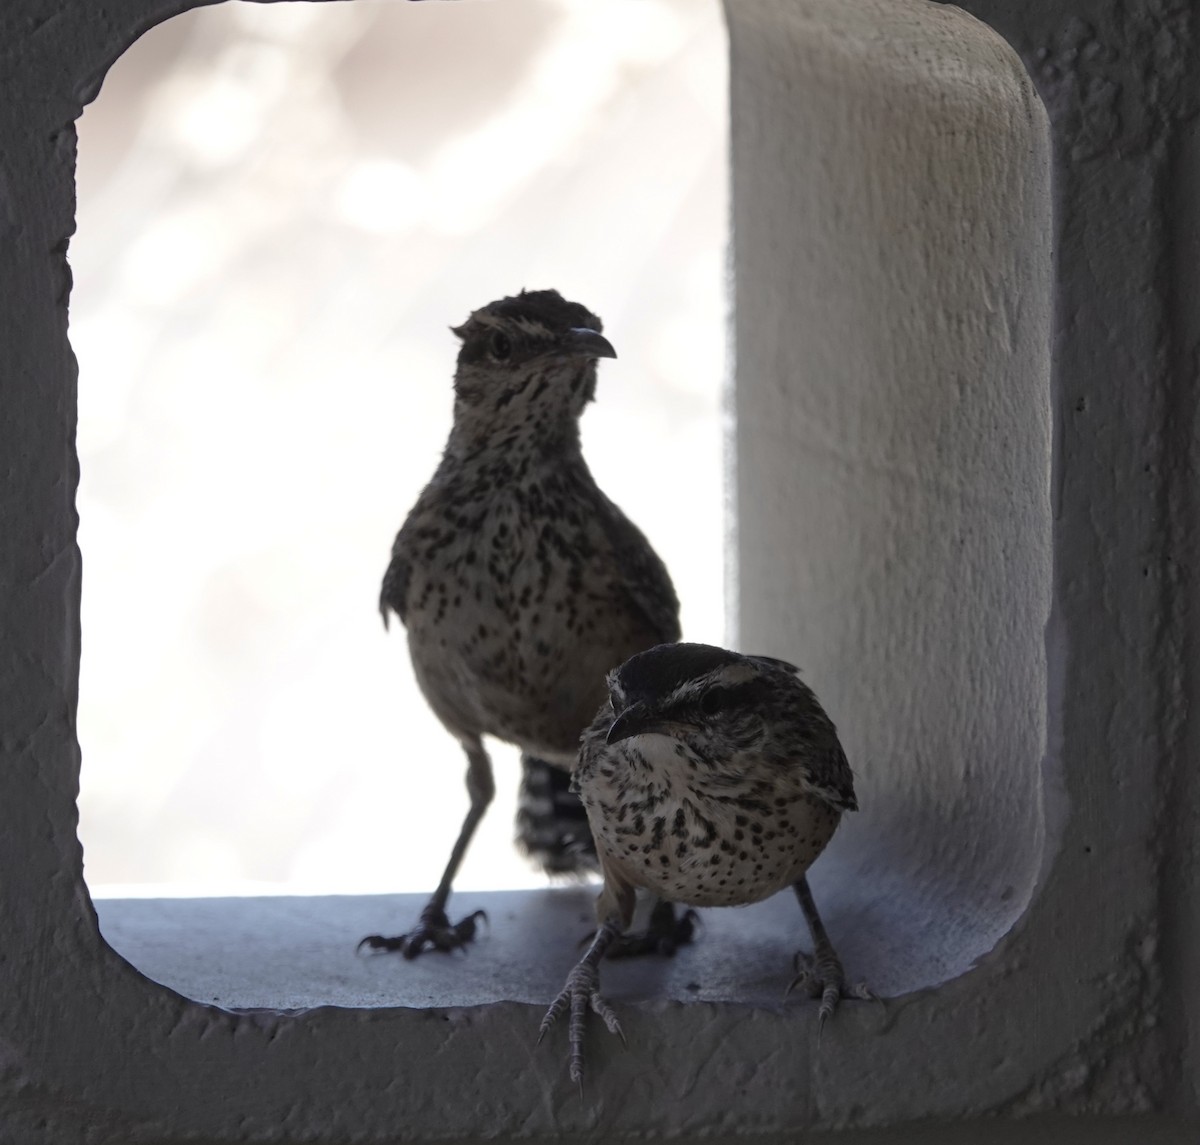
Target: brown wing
<point>592,743</point>
<point>806,742</point>
<point>393,592</point>
<point>646,580</point>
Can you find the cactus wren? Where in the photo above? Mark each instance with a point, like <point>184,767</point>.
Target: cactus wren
<point>712,779</point>
<point>521,585</point>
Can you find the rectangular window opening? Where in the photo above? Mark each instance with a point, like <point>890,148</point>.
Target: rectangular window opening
<point>282,210</point>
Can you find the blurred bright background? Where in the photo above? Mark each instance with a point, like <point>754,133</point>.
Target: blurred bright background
<point>282,209</point>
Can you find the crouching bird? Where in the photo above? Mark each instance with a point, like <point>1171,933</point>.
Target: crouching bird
<point>521,585</point>
<point>712,779</point>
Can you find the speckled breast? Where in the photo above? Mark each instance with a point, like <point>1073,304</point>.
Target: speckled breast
<point>516,623</point>
<point>691,844</point>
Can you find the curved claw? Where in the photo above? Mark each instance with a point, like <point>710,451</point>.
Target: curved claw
<point>465,930</point>
<point>823,977</point>
<point>433,932</point>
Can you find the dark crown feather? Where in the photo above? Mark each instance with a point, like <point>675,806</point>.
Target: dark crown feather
<point>547,307</point>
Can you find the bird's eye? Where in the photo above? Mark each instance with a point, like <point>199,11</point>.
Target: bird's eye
<point>501,346</point>
<point>711,703</point>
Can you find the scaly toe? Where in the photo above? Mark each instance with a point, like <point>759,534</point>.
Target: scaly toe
<point>578,996</point>
<point>664,934</point>
<point>822,977</point>
<point>382,944</point>
<point>433,932</point>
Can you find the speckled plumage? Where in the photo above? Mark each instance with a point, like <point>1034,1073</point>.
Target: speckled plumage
<point>519,582</point>
<point>714,808</point>
<point>711,779</point>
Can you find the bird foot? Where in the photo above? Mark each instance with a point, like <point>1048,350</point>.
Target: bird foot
<point>433,931</point>
<point>581,993</point>
<point>821,976</point>
<point>664,934</point>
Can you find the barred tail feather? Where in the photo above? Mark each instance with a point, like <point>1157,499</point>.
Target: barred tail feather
<point>552,826</point>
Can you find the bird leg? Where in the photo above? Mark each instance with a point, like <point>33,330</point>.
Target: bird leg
<point>581,993</point>
<point>821,972</point>
<point>434,929</point>
<point>664,933</point>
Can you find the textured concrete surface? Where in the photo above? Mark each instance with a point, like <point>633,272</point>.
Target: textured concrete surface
<point>292,953</point>
<point>1089,1004</point>
<point>893,436</point>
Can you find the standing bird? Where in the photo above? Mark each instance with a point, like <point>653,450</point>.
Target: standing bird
<point>712,779</point>
<point>521,585</point>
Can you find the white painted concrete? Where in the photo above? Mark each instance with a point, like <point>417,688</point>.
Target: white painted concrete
<point>892,349</point>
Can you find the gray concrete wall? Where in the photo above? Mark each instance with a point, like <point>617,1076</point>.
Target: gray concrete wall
<point>1087,1007</point>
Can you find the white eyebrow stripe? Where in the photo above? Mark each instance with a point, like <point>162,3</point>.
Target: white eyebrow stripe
<point>738,673</point>
<point>532,327</point>
<point>688,690</point>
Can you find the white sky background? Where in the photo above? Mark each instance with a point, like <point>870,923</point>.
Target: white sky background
<point>281,210</point>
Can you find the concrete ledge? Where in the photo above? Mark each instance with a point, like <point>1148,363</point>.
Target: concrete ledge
<point>295,953</point>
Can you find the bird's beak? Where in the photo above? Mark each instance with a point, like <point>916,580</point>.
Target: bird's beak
<point>634,720</point>
<point>582,342</point>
